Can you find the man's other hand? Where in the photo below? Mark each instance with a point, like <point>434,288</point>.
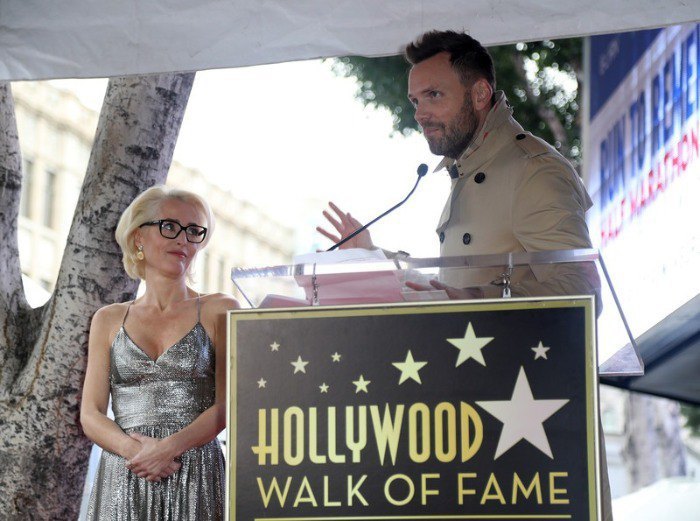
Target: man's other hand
<point>344,225</point>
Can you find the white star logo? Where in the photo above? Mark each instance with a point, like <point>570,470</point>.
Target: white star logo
<point>299,365</point>
<point>470,346</point>
<point>336,357</point>
<point>409,368</point>
<point>361,384</point>
<point>324,388</point>
<point>522,417</point>
<point>540,351</point>
<point>261,383</point>
<point>274,346</point>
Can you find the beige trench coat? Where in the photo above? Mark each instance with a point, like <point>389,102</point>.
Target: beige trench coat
<point>515,193</point>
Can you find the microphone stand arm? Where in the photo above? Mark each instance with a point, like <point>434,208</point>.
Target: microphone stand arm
<point>363,228</point>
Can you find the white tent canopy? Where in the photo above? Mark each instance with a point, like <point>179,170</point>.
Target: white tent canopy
<point>98,38</point>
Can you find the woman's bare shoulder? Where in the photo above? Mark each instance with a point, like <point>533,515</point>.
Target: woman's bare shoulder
<point>110,315</point>
<point>214,308</point>
<point>219,302</point>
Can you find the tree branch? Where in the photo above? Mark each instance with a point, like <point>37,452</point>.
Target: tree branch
<point>13,305</point>
<point>11,290</point>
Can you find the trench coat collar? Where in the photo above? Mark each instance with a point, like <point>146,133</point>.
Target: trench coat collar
<point>497,116</point>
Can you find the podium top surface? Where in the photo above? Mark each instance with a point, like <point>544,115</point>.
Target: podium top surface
<point>404,262</point>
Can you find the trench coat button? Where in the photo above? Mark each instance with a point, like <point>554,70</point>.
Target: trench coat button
<point>520,136</point>
<point>442,237</point>
<point>479,178</point>
<point>454,172</point>
<point>466,238</point>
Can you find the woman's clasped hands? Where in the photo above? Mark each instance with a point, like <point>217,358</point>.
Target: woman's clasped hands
<point>155,458</point>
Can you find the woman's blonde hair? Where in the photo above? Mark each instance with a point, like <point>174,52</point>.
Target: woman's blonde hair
<point>144,209</point>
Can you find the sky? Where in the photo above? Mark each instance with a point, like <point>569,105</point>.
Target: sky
<point>290,137</point>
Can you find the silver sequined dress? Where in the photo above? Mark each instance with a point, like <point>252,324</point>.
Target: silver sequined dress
<point>158,398</point>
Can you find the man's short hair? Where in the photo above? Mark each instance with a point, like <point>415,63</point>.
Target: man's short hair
<point>469,58</point>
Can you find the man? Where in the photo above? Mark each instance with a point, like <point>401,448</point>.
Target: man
<point>511,191</point>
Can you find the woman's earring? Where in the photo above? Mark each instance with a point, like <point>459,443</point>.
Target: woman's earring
<point>139,254</point>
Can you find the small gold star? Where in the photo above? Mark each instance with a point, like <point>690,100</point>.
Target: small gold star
<point>261,383</point>
<point>361,384</point>
<point>299,365</point>
<point>324,387</point>
<point>540,351</point>
<point>470,346</point>
<point>336,357</point>
<point>409,368</point>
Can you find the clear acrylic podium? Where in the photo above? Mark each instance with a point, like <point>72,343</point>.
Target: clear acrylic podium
<point>382,281</point>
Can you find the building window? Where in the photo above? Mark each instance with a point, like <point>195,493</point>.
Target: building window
<point>54,137</point>
<point>27,182</point>
<point>50,199</point>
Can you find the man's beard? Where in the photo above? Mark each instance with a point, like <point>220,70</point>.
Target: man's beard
<point>458,133</point>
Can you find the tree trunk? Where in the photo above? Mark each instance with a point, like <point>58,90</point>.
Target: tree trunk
<point>653,447</point>
<point>43,452</point>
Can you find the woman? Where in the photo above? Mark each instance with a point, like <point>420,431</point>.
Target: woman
<point>163,359</point>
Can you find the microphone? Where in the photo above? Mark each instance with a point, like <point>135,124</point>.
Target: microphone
<point>422,170</point>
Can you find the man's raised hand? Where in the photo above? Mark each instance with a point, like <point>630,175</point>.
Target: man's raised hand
<point>344,225</point>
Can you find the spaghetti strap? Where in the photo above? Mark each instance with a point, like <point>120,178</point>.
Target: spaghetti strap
<point>199,309</point>
<point>127,312</point>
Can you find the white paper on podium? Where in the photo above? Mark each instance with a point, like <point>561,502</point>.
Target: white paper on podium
<point>359,287</point>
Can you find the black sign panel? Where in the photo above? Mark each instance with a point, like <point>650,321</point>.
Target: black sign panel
<point>477,411</point>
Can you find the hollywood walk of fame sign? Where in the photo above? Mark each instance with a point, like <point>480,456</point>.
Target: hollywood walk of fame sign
<point>481,411</point>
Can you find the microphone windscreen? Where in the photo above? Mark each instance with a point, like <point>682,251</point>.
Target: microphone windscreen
<point>422,169</point>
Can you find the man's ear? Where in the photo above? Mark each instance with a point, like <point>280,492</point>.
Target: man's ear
<point>481,94</point>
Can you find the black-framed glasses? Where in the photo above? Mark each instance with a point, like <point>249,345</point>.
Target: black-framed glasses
<point>171,229</point>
